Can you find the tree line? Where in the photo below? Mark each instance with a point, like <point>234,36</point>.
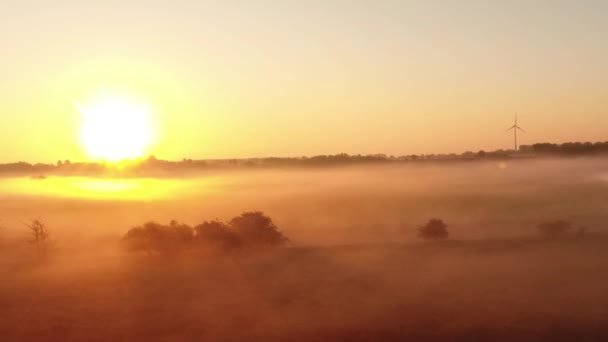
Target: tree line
<point>153,164</point>
<point>249,232</point>
<point>570,148</point>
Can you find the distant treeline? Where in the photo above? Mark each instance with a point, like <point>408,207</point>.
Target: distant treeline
<point>152,164</point>
<point>568,149</point>
<point>247,233</point>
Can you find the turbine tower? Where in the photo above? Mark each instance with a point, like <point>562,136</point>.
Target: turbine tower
<point>515,127</point>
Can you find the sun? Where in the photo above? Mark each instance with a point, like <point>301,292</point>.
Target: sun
<point>116,128</point>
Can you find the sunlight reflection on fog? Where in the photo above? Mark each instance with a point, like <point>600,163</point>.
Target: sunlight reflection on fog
<point>104,188</point>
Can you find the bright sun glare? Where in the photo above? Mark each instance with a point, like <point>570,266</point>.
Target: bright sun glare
<point>115,128</point>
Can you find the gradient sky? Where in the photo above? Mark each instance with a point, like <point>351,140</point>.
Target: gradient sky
<point>289,78</point>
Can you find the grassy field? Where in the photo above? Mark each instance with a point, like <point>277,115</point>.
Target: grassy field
<point>355,269</point>
<point>527,289</point>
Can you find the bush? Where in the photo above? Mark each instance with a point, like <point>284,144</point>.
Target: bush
<point>554,228</point>
<point>435,229</point>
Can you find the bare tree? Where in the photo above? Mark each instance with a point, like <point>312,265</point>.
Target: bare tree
<point>39,237</point>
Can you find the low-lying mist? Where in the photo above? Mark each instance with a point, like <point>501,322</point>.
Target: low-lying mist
<point>329,205</point>
<point>355,267</point>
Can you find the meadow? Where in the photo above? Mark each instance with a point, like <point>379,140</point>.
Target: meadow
<point>354,268</point>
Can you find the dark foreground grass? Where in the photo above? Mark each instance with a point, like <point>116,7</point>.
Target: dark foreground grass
<point>501,290</point>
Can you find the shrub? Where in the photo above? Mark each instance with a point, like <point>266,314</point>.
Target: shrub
<point>554,228</point>
<point>435,229</point>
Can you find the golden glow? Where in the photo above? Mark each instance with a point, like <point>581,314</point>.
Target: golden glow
<point>116,127</point>
<point>125,189</point>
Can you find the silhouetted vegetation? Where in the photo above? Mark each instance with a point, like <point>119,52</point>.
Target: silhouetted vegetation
<point>154,237</point>
<point>218,236</point>
<point>435,229</point>
<point>153,165</point>
<point>555,228</point>
<point>250,230</point>
<point>257,230</point>
<point>39,237</point>
<point>571,148</point>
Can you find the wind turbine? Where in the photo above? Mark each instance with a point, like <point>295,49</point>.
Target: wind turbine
<point>515,127</point>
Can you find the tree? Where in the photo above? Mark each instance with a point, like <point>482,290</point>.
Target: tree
<point>217,235</point>
<point>554,228</point>
<point>257,230</point>
<point>435,229</point>
<point>249,230</point>
<point>40,237</point>
<point>155,237</point>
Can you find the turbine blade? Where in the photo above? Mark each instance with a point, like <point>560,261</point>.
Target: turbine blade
<point>519,128</point>
<point>510,128</point>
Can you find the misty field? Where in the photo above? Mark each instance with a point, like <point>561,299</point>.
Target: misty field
<point>354,268</point>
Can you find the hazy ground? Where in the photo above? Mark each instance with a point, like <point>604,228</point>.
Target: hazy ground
<point>355,269</point>
<point>328,206</point>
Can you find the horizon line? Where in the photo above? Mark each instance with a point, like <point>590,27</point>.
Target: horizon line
<point>301,157</point>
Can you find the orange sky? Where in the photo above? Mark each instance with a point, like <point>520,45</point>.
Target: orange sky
<point>268,78</point>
